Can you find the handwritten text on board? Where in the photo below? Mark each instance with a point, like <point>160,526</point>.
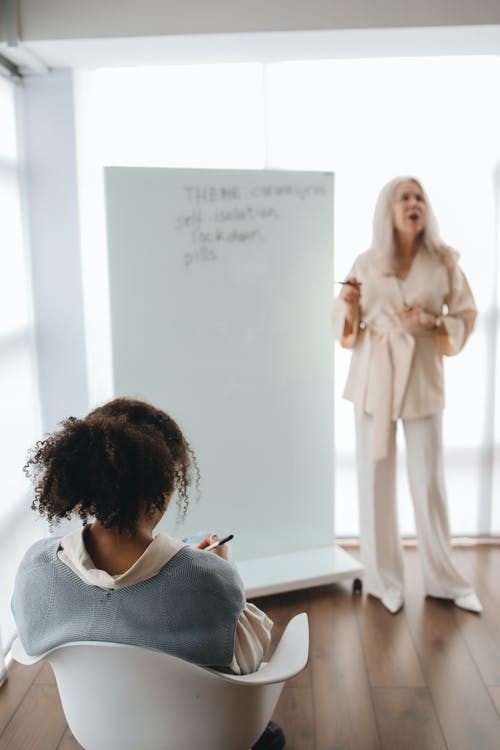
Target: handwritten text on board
<point>221,217</point>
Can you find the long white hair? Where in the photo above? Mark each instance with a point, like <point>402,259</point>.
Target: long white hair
<point>383,243</point>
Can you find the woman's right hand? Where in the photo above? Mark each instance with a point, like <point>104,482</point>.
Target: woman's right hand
<point>351,292</point>
<point>221,551</point>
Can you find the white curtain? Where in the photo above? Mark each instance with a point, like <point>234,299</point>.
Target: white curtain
<point>367,121</point>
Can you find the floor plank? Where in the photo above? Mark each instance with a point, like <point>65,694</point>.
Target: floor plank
<point>39,722</point>
<point>391,658</point>
<point>14,689</point>
<point>68,742</point>
<point>462,701</point>
<point>495,697</point>
<point>343,710</point>
<point>406,719</point>
<point>295,713</point>
<point>46,675</point>
<point>482,569</point>
<point>482,635</point>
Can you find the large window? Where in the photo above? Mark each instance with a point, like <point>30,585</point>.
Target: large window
<point>19,416</point>
<point>367,121</point>
<point>18,401</point>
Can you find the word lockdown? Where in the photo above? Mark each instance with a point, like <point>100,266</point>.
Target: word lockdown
<point>205,243</point>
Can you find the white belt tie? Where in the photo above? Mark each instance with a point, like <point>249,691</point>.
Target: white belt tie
<point>386,348</point>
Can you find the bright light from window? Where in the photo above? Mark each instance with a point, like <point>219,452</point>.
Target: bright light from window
<point>18,392</point>
<point>365,120</point>
<point>8,141</point>
<point>13,289</point>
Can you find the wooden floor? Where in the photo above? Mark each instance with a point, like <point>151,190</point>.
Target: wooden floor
<point>427,678</point>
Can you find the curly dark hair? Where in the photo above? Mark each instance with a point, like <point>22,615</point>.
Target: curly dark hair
<point>124,457</point>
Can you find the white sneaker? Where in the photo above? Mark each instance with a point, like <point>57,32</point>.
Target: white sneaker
<point>470,602</point>
<point>392,602</point>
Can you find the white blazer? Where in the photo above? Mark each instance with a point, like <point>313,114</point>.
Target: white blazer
<point>396,372</point>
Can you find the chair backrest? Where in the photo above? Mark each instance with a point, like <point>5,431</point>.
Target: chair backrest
<point>120,697</point>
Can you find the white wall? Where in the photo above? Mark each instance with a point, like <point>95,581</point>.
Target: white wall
<point>74,19</point>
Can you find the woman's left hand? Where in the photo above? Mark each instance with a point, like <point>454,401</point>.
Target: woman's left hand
<point>415,318</point>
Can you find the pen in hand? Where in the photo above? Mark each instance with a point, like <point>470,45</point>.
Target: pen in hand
<point>219,542</point>
<point>349,283</point>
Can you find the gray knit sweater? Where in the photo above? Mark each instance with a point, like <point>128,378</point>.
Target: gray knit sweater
<point>189,609</point>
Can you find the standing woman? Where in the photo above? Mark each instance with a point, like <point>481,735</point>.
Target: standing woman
<point>406,303</point>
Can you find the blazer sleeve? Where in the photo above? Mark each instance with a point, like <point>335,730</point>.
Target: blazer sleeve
<point>458,323</point>
<point>347,338</point>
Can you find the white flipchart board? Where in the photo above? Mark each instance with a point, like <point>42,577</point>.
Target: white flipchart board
<point>221,286</point>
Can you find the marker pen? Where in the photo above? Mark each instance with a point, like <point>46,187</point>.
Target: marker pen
<point>218,543</point>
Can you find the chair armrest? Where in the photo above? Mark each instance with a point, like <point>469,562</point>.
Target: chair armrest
<point>289,659</point>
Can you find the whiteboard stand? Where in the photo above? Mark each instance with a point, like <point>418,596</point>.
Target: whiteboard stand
<point>300,569</point>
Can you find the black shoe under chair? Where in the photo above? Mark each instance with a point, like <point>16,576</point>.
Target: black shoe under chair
<point>272,739</point>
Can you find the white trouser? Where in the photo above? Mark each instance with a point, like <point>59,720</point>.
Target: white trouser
<point>380,542</point>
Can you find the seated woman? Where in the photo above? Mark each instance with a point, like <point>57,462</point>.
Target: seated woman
<point>113,579</point>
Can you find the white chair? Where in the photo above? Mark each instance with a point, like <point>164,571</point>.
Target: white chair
<point>120,697</point>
